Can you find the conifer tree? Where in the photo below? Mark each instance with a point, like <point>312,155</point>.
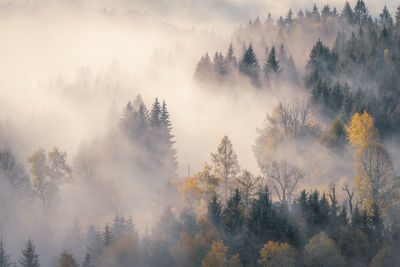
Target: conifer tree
<point>347,14</point>
<point>29,256</point>
<point>4,257</point>
<point>249,65</point>
<point>272,66</point>
<point>386,17</point>
<point>360,13</point>
<point>214,211</point>
<point>107,236</point>
<point>155,114</point>
<point>169,153</point>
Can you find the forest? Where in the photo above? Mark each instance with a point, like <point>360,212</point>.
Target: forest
<point>93,175</point>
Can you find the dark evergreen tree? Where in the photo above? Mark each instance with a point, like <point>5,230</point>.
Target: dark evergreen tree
<point>204,69</point>
<point>249,66</point>
<point>347,14</point>
<point>155,114</point>
<point>29,256</point>
<point>108,238</point>
<point>360,13</point>
<point>386,17</point>
<point>272,66</point>
<point>169,153</point>
<point>214,212</point>
<point>14,172</point>
<point>4,257</point>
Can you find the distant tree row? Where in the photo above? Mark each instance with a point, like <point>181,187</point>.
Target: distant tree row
<point>224,68</point>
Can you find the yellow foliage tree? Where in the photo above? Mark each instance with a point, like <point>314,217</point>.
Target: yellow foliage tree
<point>322,251</point>
<point>234,261</point>
<point>122,253</point>
<point>374,178</point>
<point>361,130</point>
<point>217,255</point>
<point>191,251</point>
<point>197,191</point>
<point>274,254</point>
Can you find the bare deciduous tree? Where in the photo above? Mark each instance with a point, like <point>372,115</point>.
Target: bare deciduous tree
<point>284,178</point>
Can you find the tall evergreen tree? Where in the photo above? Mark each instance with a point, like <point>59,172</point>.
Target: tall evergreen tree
<point>107,236</point>
<point>169,153</point>
<point>29,256</point>
<point>155,114</point>
<point>249,65</point>
<point>347,13</point>
<point>360,13</point>
<point>214,211</point>
<point>386,17</point>
<point>4,257</point>
<point>272,66</point>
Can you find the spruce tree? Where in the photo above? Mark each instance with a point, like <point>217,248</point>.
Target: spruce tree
<point>155,114</point>
<point>29,256</point>
<point>272,66</point>
<point>169,153</point>
<point>4,257</point>
<point>386,17</point>
<point>107,236</point>
<point>249,65</point>
<point>360,13</point>
<point>214,211</point>
<point>347,14</point>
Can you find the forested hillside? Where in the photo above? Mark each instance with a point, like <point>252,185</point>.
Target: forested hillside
<point>326,187</point>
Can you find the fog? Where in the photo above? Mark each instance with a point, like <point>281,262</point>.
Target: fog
<point>68,68</point>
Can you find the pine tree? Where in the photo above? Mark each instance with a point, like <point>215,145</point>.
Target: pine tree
<point>204,68</point>
<point>214,211</point>
<point>347,14</point>
<point>272,66</point>
<point>125,121</point>
<point>107,236</point>
<point>155,114</point>
<point>230,59</point>
<point>4,257</point>
<point>29,257</point>
<point>360,13</point>
<point>386,17</point>
<point>169,153</point>
<point>249,66</point>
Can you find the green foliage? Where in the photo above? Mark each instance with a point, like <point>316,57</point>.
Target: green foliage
<point>4,257</point>
<point>29,256</point>
<point>248,65</point>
